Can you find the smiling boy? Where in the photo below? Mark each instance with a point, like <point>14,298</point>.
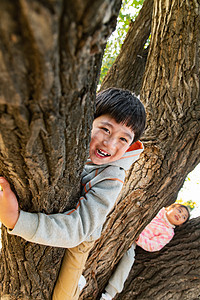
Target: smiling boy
<point>105,148</point>
<point>118,124</point>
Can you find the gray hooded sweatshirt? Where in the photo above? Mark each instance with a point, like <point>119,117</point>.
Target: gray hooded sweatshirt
<point>101,187</point>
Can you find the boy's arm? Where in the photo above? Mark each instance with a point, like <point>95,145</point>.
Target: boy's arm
<point>69,229</point>
<point>9,208</point>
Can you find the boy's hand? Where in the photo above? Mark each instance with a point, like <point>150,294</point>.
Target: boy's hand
<point>9,208</point>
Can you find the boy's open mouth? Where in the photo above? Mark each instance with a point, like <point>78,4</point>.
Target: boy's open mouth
<point>102,153</point>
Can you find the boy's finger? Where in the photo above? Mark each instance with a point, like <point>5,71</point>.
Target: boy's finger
<point>4,183</point>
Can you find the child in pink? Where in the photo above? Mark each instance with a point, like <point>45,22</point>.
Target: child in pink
<point>153,238</point>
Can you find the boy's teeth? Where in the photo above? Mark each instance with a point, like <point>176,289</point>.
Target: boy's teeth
<point>102,153</point>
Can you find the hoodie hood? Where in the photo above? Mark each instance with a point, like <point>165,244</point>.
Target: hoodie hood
<point>129,157</point>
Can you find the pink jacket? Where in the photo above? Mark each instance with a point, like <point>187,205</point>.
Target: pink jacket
<point>153,238</point>
<point>157,233</point>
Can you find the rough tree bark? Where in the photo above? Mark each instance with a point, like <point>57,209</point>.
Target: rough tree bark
<point>48,78</point>
<point>172,273</point>
<point>50,57</point>
<point>128,69</point>
<point>170,93</point>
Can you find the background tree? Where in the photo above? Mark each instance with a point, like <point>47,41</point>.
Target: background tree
<point>170,92</point>
<point>128,13</point>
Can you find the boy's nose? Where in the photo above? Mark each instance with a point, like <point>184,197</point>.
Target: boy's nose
<point>109,143</point>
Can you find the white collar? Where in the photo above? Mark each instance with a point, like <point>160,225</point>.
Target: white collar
<point>167,221</point>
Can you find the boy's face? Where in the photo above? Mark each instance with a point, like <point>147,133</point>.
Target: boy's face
<point>109,140</point>
<point>177,215</point>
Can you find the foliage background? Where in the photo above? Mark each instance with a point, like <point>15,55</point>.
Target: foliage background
<point>190,193</point>
<point>128,13</point>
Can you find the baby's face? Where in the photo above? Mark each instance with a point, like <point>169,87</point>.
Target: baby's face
<point>177,215</point>
<point>109,140</point>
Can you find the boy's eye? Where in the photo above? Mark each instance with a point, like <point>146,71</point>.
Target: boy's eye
<point>105,129</point>
<point>124,140</point>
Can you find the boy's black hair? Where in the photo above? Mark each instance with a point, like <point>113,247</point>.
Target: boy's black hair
<point>124,107</point>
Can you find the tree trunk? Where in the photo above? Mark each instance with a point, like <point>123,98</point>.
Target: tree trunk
<point>170,93</point>
<point>172,273</point>
<point>128,68</point>
<point>50,58</point>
